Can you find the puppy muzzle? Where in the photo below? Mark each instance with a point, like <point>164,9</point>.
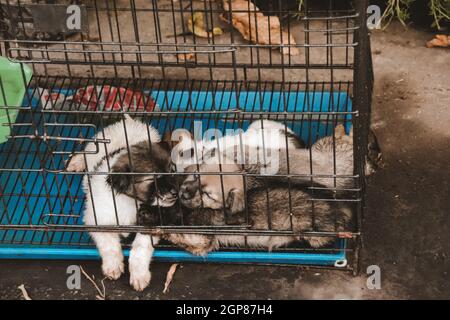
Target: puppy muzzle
<point>188,191</point>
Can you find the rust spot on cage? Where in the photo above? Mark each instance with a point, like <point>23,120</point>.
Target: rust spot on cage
<point>345,235</point>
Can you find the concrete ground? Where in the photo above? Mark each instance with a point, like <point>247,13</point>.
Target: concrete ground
<point>406,223</point>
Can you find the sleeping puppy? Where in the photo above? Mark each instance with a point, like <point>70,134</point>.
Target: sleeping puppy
<point>204,195</point>
<point>113,200</point>
<point>261,134</point>
<point>148,161</point>
<point>342,146</point>
<point>220,194</point>
<point>230,203</point>
<point>328,162</point>
<point>285,134</point>
<point>141,158</point>
<point>204,198</point>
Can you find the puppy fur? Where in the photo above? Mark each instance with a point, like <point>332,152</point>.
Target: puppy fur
<point>201,192</point>
<point>260,134</point>
<point>328,153</point>
<point>330,156</point>
<point>204,195</point>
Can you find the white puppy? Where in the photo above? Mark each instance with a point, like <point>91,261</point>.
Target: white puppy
<point>105,207</point>
<point>263,135</point>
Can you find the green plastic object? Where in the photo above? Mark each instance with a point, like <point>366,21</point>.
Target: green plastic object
<point>14,78</point>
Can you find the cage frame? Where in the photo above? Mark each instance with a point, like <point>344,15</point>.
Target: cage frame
<point>361,100</point>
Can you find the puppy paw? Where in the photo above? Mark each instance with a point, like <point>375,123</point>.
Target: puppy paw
<point>236,201</point>
<point>75,164</point>
<point>140,280</point>
<point>113,269</point>
<point>318,242</point>
<point>199,251</point>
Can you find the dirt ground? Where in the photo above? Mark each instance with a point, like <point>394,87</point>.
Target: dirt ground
<point>406,223</point>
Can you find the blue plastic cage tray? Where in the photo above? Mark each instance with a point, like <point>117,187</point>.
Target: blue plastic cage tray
<point>28,196</point>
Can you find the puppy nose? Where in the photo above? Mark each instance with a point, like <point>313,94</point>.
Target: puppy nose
<point>187,191</point>
<point>146,217</point>
<point>141,218</point>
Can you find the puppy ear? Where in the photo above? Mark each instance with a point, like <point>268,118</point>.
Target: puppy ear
<point>339,131</point>
<point>148,215</point>
<point>127,117</point>
<point>187,135</point>
<point>180,136</point>
<point>119,183</point>
<point>295,139</point>
<point>235,202</point>
<point>167,136</point>
<point>160,153</point>
<point>165,145</point>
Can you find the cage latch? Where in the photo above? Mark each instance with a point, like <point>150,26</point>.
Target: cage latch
<point>56,132</point>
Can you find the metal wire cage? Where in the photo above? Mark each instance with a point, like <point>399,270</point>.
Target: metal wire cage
<point>170,64</point>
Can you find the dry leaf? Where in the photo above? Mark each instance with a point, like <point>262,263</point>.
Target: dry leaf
<point>196,26</point>
<point>169,277</point>
<point>440,40</point>
<point>185,56</point>
<point>24,292</point>
<point>258,28</point>
<point>102,293</point>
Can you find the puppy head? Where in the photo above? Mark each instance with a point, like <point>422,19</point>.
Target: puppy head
<point>144,158</point>
<point>374,158</point>
<point>213,191</point>
<point>157,215</point>
<point>163,192</point>
<point>344,143</point>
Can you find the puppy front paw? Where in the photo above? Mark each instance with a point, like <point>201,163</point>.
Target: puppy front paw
<point>112,268</point>
<point>202,252</point>
<point>318,242</point>
<point>76,164</point>
<point>140,279</point>
<point>235,202</point>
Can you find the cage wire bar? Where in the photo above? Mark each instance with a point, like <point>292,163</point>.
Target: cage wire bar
<point>311,73</point>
